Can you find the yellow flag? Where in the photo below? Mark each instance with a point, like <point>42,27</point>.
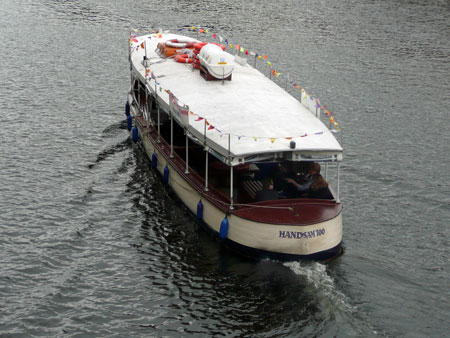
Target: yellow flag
<point>231,45</point>
<point>272,139</point>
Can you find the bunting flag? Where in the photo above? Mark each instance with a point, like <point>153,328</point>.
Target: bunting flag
<point>272,139</point>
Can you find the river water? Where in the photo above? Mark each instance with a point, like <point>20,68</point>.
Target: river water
<point>92,243</point>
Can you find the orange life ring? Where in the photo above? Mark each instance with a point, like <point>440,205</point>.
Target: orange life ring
<point>183,58</point>
<point>199,45</point>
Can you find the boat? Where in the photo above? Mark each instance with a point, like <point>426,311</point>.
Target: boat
<point>216,128</point>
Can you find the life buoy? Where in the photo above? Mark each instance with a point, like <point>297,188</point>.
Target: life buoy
<point>175,43</point>
<point>183,58</point>
<point>199,45</point>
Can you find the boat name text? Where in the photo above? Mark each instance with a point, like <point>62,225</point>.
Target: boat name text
<point>300,234</point>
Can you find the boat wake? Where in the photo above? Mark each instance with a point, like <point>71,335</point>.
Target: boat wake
<point>323,286</point>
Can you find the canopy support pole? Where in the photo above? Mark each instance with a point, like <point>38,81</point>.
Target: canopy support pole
<point>338,200</point>
<point>158,140</point>
<point>187,153</point>
<point>206,160</point>
<point>171,135</point>
<point>231,171</point>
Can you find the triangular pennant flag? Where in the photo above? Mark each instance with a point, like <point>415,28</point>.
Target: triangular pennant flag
<point>210,127</point>
<point>142,45</point>
<point>214,35</point>
<point>265,57</point>
<point>272,140</point>
<point>255,138</point>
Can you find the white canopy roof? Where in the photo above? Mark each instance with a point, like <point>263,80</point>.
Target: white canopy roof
<point>260,117</point>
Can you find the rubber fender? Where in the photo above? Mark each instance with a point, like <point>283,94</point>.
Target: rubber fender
<point>154,160</point>
<point>129,122</point>
<point>166,175</point>
<point>223,233</point>
<point>135,134</point>
<point>127,109</point>
<point>200,210</point>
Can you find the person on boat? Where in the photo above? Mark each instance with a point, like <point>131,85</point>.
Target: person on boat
<point>314,185</point>
<point>267,193</point>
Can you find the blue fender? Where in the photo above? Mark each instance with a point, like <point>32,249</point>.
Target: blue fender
<point>166,174</point>
<point>154,160</point>
<point>129,122</point>
<point>223,233</point>
<point>127,109</point>
<point>200,210</point>
<point>135,134</point>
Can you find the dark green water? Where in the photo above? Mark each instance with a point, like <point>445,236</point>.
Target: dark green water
<point>91,242</point>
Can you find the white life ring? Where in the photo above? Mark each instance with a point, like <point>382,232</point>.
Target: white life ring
<point>175,43</point>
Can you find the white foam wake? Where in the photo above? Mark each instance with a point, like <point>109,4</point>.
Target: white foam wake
<point>322,285</point>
